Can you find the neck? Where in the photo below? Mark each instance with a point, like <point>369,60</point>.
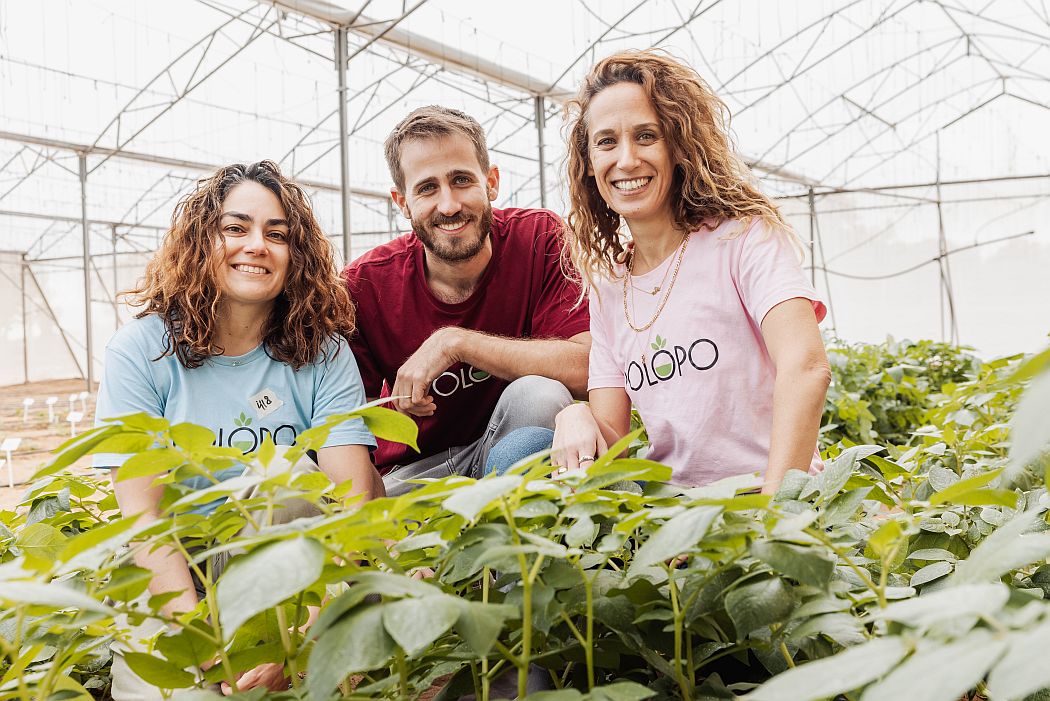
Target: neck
<point>653,243</point>
<point>241,327</point>
<point>454,282</point>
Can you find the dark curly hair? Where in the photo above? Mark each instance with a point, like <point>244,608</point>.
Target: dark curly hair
<point>181,286</point>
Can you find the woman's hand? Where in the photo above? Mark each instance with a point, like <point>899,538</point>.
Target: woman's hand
<point>269,675</point>
<point>577,439</point>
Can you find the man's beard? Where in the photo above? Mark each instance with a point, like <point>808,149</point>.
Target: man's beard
<point>454,250</point>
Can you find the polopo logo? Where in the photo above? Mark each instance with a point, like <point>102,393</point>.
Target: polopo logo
<point>668,362</point>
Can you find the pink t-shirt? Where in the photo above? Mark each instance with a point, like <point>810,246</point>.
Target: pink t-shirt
<point>705,387</point>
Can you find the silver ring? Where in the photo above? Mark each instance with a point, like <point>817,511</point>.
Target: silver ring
<point>561,470</point>
<point>588,458</point>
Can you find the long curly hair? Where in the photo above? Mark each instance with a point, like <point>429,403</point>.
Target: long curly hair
<point>181,284</point>
<point>710,179</point>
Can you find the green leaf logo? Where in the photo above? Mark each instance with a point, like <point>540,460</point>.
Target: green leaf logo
<point>660,343</point>
<point>243,420</point>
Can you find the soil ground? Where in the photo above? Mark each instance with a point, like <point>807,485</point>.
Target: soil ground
<point>39,437</point>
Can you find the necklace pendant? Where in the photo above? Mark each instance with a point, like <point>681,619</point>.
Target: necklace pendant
<point>654,290</point>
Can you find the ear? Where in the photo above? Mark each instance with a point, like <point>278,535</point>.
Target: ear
<point>401,201</point>
<point>492,183</point>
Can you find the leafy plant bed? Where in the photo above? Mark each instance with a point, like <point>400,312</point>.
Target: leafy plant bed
<point>914,569</point>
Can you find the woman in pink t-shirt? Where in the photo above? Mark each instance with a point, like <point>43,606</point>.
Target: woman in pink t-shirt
<point>705,321</point>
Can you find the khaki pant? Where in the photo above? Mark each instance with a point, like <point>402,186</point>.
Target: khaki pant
<point>128,686</point>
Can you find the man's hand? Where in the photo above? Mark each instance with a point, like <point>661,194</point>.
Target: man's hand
<point>268,676</point>
<point>432,358</point>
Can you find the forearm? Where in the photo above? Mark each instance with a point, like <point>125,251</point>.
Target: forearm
<point>351,462</point>
<point>564,360</point>
<point>798,404</point>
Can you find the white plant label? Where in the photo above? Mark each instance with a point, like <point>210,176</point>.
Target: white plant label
<point>265,403</point>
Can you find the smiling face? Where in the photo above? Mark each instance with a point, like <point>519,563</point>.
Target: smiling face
<point>447,196</point>
<point>254,228</point>
<point>629,157</point>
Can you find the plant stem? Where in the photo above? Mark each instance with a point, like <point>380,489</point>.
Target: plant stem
<point>485,576</point>
<point>286,643</point>
<point>683,684</point>
<point>402,674</point>
<point>526,605</point>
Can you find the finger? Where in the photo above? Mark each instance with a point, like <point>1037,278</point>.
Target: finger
<point>419,390</point>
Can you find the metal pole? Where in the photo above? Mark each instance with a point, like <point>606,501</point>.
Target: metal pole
<point>947,294</point>
<point>54,317</point>
<point>89,374</point>
<point>540,124</point>
<point>25,331</point>
<point>812,241</point>
<point>344,147</point>
<point>116,279</point>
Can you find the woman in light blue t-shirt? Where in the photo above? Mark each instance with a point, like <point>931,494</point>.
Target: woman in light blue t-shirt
<point>243,329</point>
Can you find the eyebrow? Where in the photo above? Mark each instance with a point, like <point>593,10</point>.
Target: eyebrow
<point>240,216</point>
<point>637,127</point>
<point>455,173</point>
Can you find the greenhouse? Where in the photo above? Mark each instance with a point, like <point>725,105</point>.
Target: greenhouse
<point>652,542</point>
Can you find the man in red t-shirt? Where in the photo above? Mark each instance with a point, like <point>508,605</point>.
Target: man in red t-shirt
<point>469,318</point>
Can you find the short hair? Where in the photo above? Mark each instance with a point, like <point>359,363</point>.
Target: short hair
<point>430,122</point>
<point>182,287</point>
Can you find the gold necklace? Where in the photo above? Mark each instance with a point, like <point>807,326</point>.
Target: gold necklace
<point>663,300</point>
<point>657,288</point>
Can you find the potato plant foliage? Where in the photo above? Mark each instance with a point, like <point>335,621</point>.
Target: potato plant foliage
<point>914,566</point>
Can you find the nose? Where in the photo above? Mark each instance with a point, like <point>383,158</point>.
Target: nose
<point>255,242</point>
<point>626,155</point>
<point>448,204</point>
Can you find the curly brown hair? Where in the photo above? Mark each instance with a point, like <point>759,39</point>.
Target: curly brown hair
<point>181,286</point>
<point>710,179</point>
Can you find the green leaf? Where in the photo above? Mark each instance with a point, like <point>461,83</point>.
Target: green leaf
<point>932,554</point>
<point>886,538</point>
<point>265,577</point>
<point>947,603</point>
<point>843,507</point>
<point>99,535</point>
<point>621,691</point>
<point>53,595</point>
<point>141,421</point>
<point>416,623</point>
<point>940,672</point>
<point>949,494</point>
<point>385,423</point>
<point>266,451</point>
<point>191,436</point>
<point>581,533</point>
<point>759,604</point>
<point>479,624</point>
<point>1029,429</point>
<point>40,540</point>
<point>158,672</point>
<point>471,500</point>
<point>678,535</point>
<point>74,449</point>
<point>830,676</point>
<point>125,442</point>
<point>808,565</point>
<point>1023,669</point>
<point>1006,549</point>
<point>149,463</point>
<point>931,572</point>
<point>357,643</point>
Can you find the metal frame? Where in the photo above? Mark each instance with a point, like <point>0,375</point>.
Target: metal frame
<point>305,23</point>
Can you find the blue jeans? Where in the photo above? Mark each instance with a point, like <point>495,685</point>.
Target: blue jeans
<point>516,446</point>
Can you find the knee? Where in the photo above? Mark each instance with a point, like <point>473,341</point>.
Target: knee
<point>537,400</point>
<point>516,446</point>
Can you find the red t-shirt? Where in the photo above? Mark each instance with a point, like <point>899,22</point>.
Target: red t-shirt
<point>522,294</point>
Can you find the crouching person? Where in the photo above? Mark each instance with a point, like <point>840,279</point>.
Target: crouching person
<point>243,315</point>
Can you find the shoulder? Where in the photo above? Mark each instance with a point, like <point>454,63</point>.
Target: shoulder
<point>391,253</point>
<point>527,223</point>
<point>143,336</point>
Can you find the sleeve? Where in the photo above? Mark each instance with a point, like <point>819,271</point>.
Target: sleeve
<point>339,389</point>
<point>768,272</point>
<point>370,376</point>
<point>603,369</point>
<point>127,387</point>
<point>556,313</point>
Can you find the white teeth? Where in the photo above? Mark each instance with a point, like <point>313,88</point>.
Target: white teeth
<point>254,269</point>
<point>450,227</point>
<point>628,185</point>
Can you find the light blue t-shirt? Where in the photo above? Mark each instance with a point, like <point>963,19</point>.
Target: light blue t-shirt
<point>241,399</point>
